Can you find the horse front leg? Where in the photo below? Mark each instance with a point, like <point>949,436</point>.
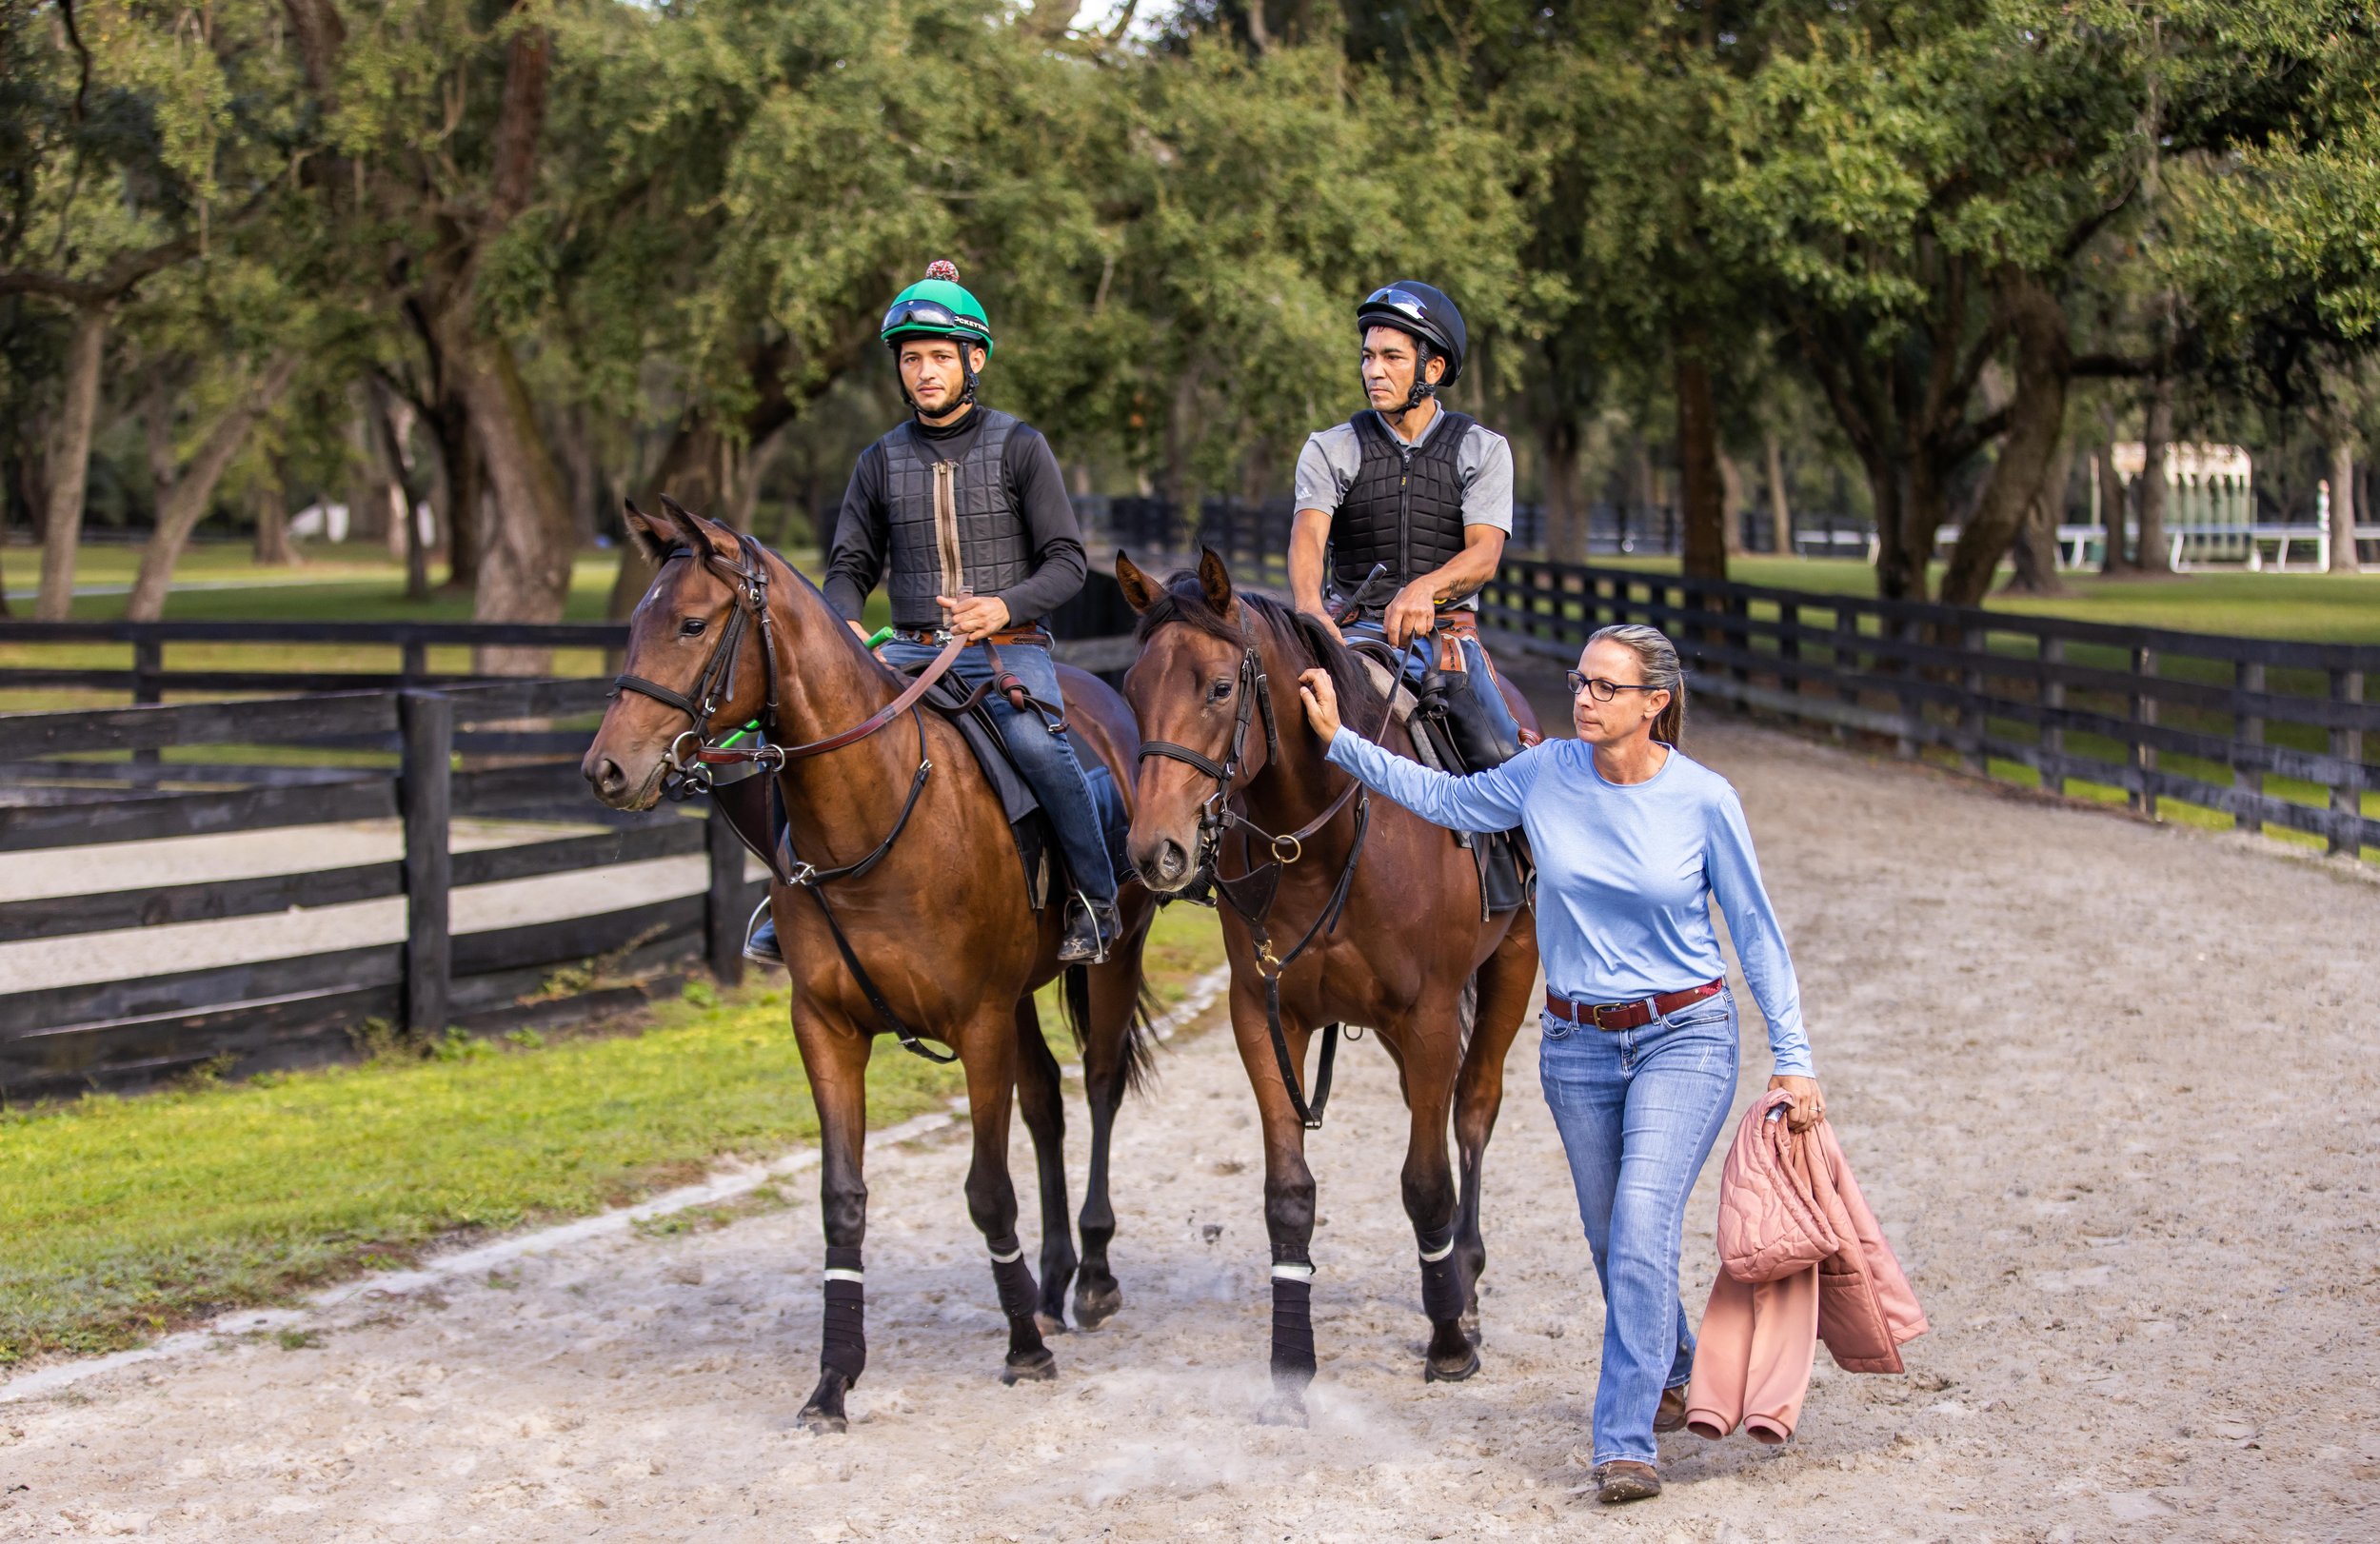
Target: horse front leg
<point>1432,1041</point>
<point>988,1049</point>
<point>836,1060</point>
<point>1288,1205</point>
<point>1041,1100</point>
<point>1507,984</point>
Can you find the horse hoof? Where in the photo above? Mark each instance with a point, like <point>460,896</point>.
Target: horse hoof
<point>1095,1306</point>
<point>1041,1369</point>
<point>1433,1371</point>
<point>824,1423</point>
<point>1048,1323</point>
<point>1283,1410</point>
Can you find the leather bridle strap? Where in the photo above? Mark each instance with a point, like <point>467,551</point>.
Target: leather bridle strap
<point>908,698</point>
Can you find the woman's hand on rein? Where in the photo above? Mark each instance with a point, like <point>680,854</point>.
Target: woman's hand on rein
<point>1809,1106</point>
<point>1321,701</point>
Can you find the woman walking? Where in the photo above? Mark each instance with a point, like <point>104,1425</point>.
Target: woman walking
<point>1639,1060</point>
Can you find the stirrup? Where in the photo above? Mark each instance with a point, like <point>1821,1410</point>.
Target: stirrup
<point>751,928</point>
<point>1101,936</point>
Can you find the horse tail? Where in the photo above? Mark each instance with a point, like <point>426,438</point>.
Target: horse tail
<point>1139,1045</point>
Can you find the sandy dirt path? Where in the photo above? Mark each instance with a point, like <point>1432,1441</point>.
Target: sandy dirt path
<point>2107,1085</point>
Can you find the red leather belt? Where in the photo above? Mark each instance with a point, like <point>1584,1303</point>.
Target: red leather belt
<point>1619,1016</point>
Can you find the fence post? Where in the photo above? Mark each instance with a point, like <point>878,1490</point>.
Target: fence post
<point>424,796</point>
<point>2248,729</point>
<point>149,662</point>
<point>2142,759</point>
<point>2347,795</point>
<point>2052,736</point>
<point>1971,704</point>
<point>1846,662</point>
<point>414,663</point>
<point>722,915</point>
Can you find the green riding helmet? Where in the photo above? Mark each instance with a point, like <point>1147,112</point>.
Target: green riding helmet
<point>937,307</point>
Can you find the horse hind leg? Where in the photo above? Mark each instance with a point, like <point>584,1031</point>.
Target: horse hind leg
<point>1112,1011</point>
<point>1431,1062</point>
<point>989,1052</point>
<point>1502,991</point>
<point>1041,1100</point>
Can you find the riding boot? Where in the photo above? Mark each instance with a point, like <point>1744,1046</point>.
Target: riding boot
<point>760,938</point>
<point>1089,930</point>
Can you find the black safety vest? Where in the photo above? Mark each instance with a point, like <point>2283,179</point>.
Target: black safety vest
<point>993,550</point>
<point>1404,508</point>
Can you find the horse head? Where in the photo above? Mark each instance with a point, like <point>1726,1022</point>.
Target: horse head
<point>700,637</point>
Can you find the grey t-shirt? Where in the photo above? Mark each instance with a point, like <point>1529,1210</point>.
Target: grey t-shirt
<point>1327,466</point>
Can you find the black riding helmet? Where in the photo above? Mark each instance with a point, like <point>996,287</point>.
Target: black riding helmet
<point>1423,313</point>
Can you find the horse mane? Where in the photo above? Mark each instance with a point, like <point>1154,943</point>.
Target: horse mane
<point>1184,599</point>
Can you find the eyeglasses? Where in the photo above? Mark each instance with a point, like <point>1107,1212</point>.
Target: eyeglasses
<point>1403,301</point>
<point>926,313</point>
<point>1602,690</point>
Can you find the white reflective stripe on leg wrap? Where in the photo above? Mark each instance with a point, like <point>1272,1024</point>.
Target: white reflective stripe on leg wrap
<point>1433,1257</point>
<point>1293,1273</point>
<point>1009,1258</point>
<point>845,1275</point>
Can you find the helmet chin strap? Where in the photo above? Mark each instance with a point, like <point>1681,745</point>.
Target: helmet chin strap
<point>1423,387</point>
<point>966,390</point>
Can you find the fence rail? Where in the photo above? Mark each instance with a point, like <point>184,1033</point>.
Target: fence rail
<point>2268,732</point>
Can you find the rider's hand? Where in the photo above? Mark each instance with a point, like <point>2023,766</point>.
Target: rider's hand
<point>1323,614</point>
<point>1321,701</point>
<point>1809,1106</point>
<point>1413,614</point>
<point>974,616</point>
<point>859,630</point>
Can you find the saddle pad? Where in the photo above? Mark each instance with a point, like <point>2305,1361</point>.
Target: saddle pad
<point>1400,705</point>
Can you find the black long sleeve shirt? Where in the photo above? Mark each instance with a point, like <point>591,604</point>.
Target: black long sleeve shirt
<point>856,561</point>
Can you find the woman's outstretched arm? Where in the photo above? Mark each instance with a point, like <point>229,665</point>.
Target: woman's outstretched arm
<point>1489,801</point>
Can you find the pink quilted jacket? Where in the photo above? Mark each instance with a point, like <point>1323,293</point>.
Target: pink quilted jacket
<point>1801,1260</point>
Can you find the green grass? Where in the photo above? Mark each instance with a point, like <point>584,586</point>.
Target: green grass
<point>122,1218</point>
<point>2324,608</point>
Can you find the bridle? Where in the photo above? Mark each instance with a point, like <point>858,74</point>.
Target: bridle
<point>1250,895</point>
<point>693,754</point>
<point>694,751</point>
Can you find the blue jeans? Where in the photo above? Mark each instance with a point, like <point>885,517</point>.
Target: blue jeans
<point>1638,1110</point>
<point>1420,652</point>
<point>1047,760</point>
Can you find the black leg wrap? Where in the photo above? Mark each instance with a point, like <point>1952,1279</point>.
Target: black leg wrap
<point>1013,1277</point>
<point>1292,1329</point>
<point>1441,1289</point>
<point>843,1340</point>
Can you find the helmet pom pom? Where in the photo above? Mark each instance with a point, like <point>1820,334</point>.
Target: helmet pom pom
<point>942,268</point>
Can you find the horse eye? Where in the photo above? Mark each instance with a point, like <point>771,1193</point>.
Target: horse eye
<point>1219,691</point>
<point>692,627</point>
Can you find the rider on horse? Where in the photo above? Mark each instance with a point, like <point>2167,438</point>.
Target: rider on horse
<point>963,513</point>
<point>1425,494</point>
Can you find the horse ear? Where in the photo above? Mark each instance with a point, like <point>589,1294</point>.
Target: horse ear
<point>1140,591</point>
<point>645,533</point>
<point>699,532</point>
<point>1215,580</point>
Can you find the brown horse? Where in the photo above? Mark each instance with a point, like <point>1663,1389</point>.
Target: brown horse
<point>932,907</point>
<point>1350,909</point>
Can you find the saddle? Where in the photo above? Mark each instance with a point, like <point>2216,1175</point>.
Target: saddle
<point>1038,847</point>
<point>1448,738</point>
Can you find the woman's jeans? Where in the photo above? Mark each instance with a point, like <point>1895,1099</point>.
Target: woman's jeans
<point>1638,1110</point>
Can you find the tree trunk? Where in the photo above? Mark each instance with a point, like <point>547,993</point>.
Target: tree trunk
<point>689,470</point>
<point>1909,506</point>
<point>2112,499</point>
<point>2035,551</point>
<point>524,572</point>
<point>2148,550</point>
<point>272,525</point>
<point>1565,511</point>
<point>369,481</point>
<point>747,469</point>
<point>70,464</point>
<point>1732,504</point>
<point>387,422</point>
<point>1780,506</point>
<point>2036,421</point>
<point>462,477</point>
<point>1702,496</point>
<point>2343,558</point>
<point>183,503</point>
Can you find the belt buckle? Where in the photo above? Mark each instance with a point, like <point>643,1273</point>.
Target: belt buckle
<point>1595,1015</point>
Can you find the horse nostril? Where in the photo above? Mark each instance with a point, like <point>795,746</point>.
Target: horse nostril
<point>608,777</point>
<point>1171,861</point>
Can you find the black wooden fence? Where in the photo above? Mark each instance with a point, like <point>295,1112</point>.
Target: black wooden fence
<point>412,746</point>
<point>2266,732</point>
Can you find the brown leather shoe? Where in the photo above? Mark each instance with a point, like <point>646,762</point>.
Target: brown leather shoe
<point>1624,1480</point>
<point>1671,1415</point>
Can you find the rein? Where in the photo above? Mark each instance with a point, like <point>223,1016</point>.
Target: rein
<point>1218,815</point>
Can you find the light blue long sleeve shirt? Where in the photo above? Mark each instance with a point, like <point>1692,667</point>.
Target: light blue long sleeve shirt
<point>1625,872</point>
